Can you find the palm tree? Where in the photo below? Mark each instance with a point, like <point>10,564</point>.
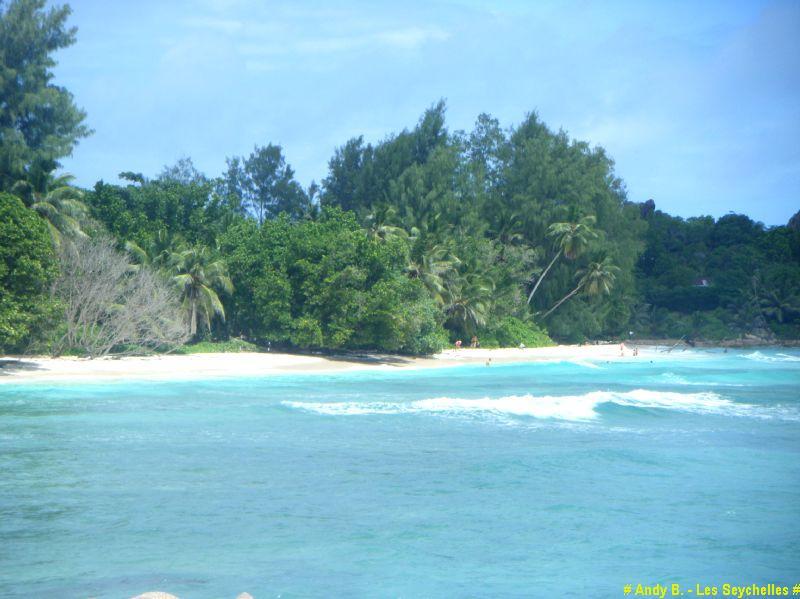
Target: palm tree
<point>779,304</point>
<point>156,252</point>
<point>197,273</point>
<point>469,301</point>
<point>597,279</point>
<point>506,225</point>
<point>58,203</point>
<point>378,226</point>
<point>432,269</point>
<point>571,239</point>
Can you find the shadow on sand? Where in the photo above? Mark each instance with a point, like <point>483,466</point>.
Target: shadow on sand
<point>366,358</point>
<point>10,366</point>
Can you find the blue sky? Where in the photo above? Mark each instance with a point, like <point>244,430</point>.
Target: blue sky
<point>698,102</point>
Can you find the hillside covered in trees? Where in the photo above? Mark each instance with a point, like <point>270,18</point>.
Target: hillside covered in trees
<point>514,235</point>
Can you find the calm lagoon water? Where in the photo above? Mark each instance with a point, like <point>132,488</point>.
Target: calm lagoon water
<point>537,480</point>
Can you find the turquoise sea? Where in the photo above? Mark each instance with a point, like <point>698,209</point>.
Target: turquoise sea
<point>524,480</point>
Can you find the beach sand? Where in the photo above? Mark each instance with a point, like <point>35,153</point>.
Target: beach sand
<point>195,366</point>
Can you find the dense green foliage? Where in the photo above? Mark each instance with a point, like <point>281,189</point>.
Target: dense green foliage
<point>163,208</point>
<point>487,214</point>
<point>27,266</point>
<point>719,279</point>
<point>325,284</point>
<point>512,332</point>
<point>494,233</point>
<point>424,238</point>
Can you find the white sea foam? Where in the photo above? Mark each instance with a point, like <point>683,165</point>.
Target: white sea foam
<point>348,408</point>
<point>675,379</point>
<point>672,378</point>
<point>575,408</point>
<point>585,364</point>
<point>759,357</point>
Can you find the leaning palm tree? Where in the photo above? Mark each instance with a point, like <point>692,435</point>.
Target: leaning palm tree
<point>58,203</point>
<point>198,273</point>
<point>597,279</point>
<point>571,239</point>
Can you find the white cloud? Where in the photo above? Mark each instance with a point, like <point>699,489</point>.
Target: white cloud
<point>412,37</point>
<point>287,31</point>
<point>268,53</point>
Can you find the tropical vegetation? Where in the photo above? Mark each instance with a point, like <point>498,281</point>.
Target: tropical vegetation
<point>512,235</point>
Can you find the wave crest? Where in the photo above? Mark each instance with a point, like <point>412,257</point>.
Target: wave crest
<point>576,408</point>
<point>760,357</point>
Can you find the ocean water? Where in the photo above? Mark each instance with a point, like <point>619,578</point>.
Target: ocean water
<point>524,480</point>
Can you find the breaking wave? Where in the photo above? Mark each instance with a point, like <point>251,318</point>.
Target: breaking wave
<point>576,408</point>
<point>759,357</point>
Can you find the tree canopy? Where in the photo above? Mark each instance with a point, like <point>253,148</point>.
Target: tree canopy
<point>263,185</point>
<point>39,121</point>
<point>717,279</point>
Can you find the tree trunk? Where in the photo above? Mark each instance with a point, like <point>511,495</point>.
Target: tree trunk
<point>193,320</point>
<point>546,270</point>
<point>563,299</point>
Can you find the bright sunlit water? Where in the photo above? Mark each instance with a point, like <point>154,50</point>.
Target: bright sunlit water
<point>538,480</point>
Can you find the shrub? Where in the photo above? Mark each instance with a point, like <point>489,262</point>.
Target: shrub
<point>306,333</point>
<point>511,331</point>
<point>208,347</point>
<point>400,317</point>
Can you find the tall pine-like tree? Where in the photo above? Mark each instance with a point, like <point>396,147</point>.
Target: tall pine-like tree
<point>39,121</point>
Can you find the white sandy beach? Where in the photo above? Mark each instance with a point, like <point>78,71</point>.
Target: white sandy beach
<point>31,369</point>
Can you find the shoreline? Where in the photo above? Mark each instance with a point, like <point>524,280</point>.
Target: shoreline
<point>259,364</point>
